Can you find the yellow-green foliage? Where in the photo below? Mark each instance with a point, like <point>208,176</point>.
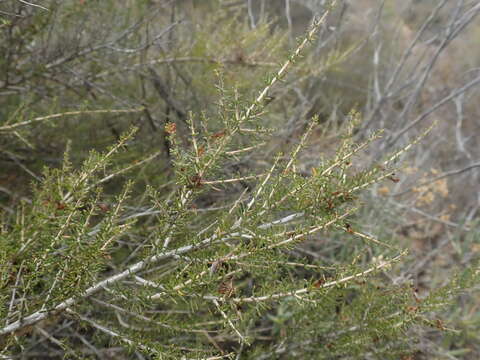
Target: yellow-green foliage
<point>201,233</point>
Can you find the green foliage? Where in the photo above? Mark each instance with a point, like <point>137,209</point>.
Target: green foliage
<point>209,256</point>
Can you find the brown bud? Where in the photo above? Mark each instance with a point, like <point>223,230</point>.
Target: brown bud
<point>219,134</point>
<point>170,128</point>
<point>196,181</point>
<point>226,288</point>
<point>104,207</point>
<point>61,206</point>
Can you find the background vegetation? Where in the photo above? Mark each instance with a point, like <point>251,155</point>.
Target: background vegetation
<point>170,190</point>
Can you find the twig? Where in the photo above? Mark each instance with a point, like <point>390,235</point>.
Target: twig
<point>68,113</point>
<point>34,5</point>
<point>439,177</point>
<point>428,112</point>
<point>135,268</point>
<point>242,339</point>
<point>111,332</point>
<point>277,296</point>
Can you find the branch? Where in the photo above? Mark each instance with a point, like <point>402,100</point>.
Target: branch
<point>68,113</point>
<point>271,297</point>
<point>135,268</point>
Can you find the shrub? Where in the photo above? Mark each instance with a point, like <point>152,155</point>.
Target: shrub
<point>213,260</point>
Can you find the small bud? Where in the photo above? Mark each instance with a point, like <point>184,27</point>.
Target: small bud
<point>196,181</point>
<point>170,128</point>
<point>226,288</point>
<point>60,206</point>
<point>348,228</point>
<point>219,135</point>
<point>104,207</point>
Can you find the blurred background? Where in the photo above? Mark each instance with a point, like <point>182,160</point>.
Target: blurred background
<point>402,65</point>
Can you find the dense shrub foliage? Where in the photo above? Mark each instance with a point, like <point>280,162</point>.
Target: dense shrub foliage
<point>189,180</point>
